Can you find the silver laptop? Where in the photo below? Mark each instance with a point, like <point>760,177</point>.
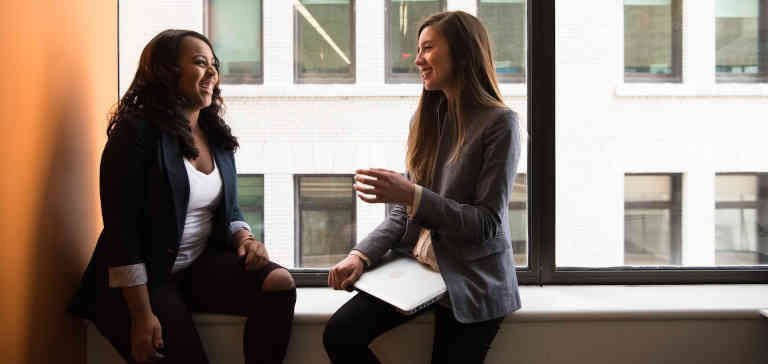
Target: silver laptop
<point>402,282</point>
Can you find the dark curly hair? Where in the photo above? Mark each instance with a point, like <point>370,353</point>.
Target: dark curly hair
<point>154,95</point>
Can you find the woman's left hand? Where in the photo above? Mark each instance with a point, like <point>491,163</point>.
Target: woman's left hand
<point>384,185</point>
<point>253,254</point>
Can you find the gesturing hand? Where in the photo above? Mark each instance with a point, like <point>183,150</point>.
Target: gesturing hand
<point>146,338</point>
<point>253,254</point>
<point>384,186</point>
<point>345,273</point>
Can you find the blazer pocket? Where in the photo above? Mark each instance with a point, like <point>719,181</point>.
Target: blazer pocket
<point>486,248</point>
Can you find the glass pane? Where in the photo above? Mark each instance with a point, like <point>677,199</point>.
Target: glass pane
<point>518,220</point>
<point>250,194</point>
<point>404,19</point>
<point>235,32</point>
<point>651,220</point>
<point>651,40</point>
<point>741,219</point>
<point>505,22</point>
<point>324,41</point>
<point>327,220</point>
<point>738,40</point>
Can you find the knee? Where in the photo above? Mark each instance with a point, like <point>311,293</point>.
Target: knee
<point>278,280</point>
<point>341,334</point>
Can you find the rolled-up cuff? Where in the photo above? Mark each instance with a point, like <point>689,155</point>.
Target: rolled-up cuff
<point>362,256</point>
<point>238,225</point>
<point>416,201</point>
<point>128,275</point>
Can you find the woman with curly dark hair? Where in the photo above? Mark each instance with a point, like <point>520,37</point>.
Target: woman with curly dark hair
<point>174,239</point>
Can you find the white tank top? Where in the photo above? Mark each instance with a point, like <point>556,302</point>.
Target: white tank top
<point>204,196</point>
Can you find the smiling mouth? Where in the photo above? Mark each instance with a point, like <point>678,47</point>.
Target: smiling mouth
<point>207,86</point>
<point>425,73</point>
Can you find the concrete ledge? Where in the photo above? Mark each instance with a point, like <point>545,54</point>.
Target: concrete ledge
<point>558,324</point>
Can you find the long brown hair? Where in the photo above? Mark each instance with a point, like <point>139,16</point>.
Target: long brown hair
<point>154,95</point>
<point>475,86</point>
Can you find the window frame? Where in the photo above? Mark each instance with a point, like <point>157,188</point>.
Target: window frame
<point>677,51</point>
<point>762,51</point>
<point>320,78</point>
<point>759,205</point>
<point>237,180</point>
<point>229,79</point>
<point>389,76</point>
<point>512,78</point>
<point>310,272</point>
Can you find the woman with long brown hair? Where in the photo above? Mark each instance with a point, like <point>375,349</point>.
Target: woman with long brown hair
<point>451,211</point>
<point>174,239</point>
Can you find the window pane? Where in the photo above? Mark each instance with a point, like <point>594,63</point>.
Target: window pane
<point>505,22</point>
<point>324,41</point>
<point>518,220</point>
<point>327,217</point>
<point>740,56</point>
<point>651,220</point>
<point>404,19</point>
<point>235,31</point>
<point>250,194</point>
<point>652,40</point>
<point>741,229</point>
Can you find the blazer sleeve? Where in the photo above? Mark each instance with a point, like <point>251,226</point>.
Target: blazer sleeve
<point>479,221</point>
<point>236,221</point>
<point>381,239</point>
<point>123,169</point>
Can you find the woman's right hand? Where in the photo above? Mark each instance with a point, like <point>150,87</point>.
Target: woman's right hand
<point>146,338</point>
<point>345,273</point>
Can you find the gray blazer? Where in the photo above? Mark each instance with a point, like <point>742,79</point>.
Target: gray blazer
<point>467,213</point>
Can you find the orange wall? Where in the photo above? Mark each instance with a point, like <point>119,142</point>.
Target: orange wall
<point>58,80</point>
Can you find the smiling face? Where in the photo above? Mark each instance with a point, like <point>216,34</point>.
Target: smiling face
<point>434,60</point>
<point>198,75</point>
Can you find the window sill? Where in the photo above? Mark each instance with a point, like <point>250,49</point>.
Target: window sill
<point>315,305</point>
<point>342,90</point>
<point>686,90</point>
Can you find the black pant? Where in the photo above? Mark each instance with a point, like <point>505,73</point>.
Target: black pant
<point>214,283</point>
<point>363,318</point>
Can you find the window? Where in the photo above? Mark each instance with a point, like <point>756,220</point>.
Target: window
<point>741,40</point>
<point>741,219</point>
<point>235,30</point>
<point>250,194</point>
<point>325,41</point>
<point>652,219</point>
<point>518,220</point>
<point>325,219</point>
<point>652,40</point>
<point>505,22</point>
<point>404,17</point>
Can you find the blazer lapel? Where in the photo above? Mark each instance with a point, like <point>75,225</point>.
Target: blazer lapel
<point>226,170</point>
<point>177,179</point>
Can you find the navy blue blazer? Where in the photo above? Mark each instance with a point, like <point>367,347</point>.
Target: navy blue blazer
<point>144,192</point>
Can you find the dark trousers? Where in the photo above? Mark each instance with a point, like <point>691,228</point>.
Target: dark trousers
<point>363,318</point>
<point>214,283</point>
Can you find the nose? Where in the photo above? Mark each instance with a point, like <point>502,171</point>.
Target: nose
<point>419,59</point>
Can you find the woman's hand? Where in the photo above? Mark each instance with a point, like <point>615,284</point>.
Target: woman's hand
<point>252,253</point>
<point>345,273</point>
<point>146,338</point>
<point>385,186</point>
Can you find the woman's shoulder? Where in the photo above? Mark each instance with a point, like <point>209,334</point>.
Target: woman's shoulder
<point>496,117</point>
<point>135,127</point>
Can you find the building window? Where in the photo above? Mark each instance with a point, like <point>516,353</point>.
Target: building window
<point>652,219</point>
<point>403,19</point>
<point>250,194</point>
<point>505,21</point>
<point>325,219</point>
<point>324,44</point>
<point>741,40</point>
<point>652,40</point>
<point>741,219</point>
<point>235,30</point>
<point>518,220</point>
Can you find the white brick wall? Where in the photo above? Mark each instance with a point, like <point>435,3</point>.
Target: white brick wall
<point>605,128</point>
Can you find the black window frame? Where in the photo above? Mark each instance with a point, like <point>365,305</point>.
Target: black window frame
<point>389,76</point>
<point>677,51</point>
<point>230,79</point>
<point>762,53</point>
<point>320,78</point>
<point>760,206</point>
<point>510,78</point>
<point>313,276</point>
<point>541,174</point>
